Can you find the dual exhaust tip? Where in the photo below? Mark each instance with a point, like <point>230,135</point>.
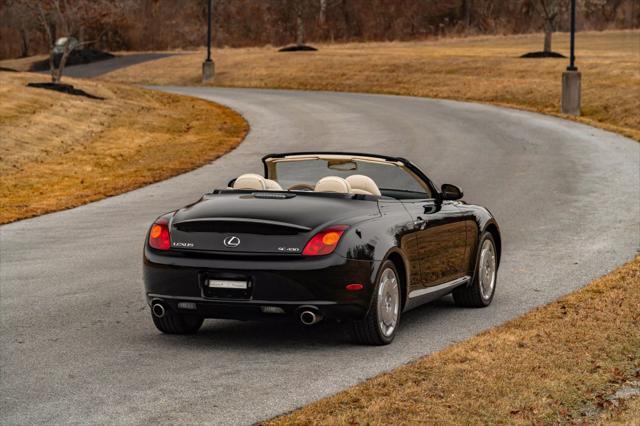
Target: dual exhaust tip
<point>158,310</point>
<point>308,316</point>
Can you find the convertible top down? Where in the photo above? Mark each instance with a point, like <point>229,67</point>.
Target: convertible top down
<point>355,237</point>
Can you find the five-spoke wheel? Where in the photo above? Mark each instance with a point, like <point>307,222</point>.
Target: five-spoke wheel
<point>479,293</point>
<point>381,322</point>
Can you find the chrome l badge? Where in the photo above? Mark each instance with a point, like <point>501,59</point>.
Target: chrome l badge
<point>232,241</point>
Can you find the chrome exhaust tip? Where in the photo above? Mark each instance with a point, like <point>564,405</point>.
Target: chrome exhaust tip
<point>158,310</point>
<point>309,317</point>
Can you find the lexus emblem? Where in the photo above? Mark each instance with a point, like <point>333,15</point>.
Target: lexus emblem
<point>232,241</point>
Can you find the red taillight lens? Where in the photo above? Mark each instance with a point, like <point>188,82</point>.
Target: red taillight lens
<point>324,242</point>
<point>354,287</point>
<point>159,237</point>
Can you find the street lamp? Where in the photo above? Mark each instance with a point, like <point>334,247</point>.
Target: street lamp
<point>571,78</point>
<point>208,67</point>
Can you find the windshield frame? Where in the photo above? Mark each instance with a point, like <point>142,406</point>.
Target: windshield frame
<point>269,161</point>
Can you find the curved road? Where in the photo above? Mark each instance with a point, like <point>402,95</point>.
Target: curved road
<point>98,68</point>
<point>77,341</point>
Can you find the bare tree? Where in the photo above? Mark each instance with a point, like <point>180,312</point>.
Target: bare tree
<point>466,13</point>
<point>601,12</point>
<point>325,6</point>
<point>160,24</point>
<point>550,11</point>
<point>300,9</point>
<point>322,16</point>
<point>66,19</point>
<point>20,16</point>
<point>304,9</point>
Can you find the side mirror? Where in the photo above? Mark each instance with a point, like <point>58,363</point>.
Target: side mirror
<point>450,192</point>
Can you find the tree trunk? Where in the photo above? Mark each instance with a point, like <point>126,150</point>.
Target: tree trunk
<point>548,31</point>
<point>349,28</point>
<point>52,67</point>
<point>322,17</point>
<point>300,30</point>
<point>467,13</point>
<point>218,23</point>
<point>24,43</point>
<point>63,62</point>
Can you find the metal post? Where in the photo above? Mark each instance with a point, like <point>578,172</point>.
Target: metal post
<point>572,78</point>
<point>208,67</point>
<point>572,40</point>
<point>209,7</point>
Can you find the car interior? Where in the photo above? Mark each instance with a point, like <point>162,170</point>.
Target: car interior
<point>354,184</point>
<point>337,174</point>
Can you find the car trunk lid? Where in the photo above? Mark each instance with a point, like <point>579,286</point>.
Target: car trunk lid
<point>262,223</point>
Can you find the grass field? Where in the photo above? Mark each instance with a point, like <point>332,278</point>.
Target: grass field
<point>550,366</point>
<point>482,69</point>
<point>60,151</point>
<point>626,415</point>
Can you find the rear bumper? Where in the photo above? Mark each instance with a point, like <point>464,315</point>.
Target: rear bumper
<point>285,283</point>
<point>257,309</point>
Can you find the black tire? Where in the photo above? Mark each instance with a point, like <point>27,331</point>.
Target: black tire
<point>368,331</point>
<point>173,323</point>
<point>471,296</point>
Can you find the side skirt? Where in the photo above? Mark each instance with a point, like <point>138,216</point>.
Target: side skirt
<point>429,294</point>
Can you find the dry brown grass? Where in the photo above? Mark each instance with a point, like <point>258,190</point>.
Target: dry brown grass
<point>24,64</point>
<point>625,414</point>
<point>60,151</point>
<point>21,64</point>
<point>483,69</point>
<point>544,367</point>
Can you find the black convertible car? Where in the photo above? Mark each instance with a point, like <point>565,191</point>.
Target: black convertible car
<point>354,237</point>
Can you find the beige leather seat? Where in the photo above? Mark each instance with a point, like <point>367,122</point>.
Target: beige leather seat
<point>333,184</point>
<point>361,184</point>
<point>256,182</point>
<point>272,185</point>
<point>250,181</point>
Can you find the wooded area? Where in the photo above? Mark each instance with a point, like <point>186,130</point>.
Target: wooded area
<point>175,24</point>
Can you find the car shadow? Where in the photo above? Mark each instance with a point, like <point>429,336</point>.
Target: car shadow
<point>290,336</point>
<point>419,315</point>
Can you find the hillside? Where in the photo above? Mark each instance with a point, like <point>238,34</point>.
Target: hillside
<point>60,151</point>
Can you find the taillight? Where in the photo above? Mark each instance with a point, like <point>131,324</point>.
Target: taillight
<point>325,241</point>
<point>159,237</point>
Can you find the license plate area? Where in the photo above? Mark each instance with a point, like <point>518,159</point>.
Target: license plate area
<point>226,286</point>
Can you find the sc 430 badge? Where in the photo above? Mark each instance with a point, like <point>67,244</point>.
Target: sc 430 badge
<point>289,249</point>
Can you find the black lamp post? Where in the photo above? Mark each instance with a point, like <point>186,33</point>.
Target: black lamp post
<point>571,78</point>
<point>572,40</point>
<point>209,7</point>
<point>208,66</point>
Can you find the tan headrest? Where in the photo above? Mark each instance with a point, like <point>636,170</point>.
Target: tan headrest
<point>361,184</point>
<point>333,184</point>
<point>250,181</point>
<point>272,185</point>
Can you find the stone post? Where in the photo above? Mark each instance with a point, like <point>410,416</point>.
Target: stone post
<point>571,81</point>
<point>208,70</point>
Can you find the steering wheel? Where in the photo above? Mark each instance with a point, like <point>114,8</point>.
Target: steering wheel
<point>301,187</point>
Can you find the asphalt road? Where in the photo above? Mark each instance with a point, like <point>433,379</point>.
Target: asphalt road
<point>78,345</point>
<point>95,69</point>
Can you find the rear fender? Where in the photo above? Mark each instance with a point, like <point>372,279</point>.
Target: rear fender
<point>488,225</point>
